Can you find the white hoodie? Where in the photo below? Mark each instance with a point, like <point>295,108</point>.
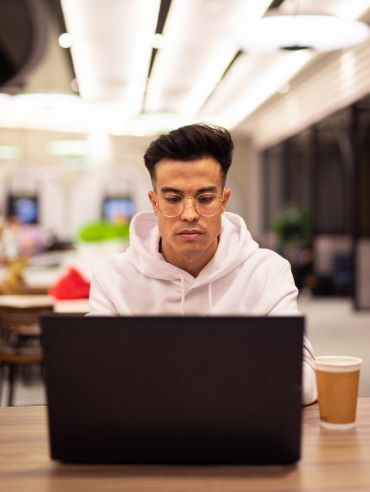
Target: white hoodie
<point>240,279</point>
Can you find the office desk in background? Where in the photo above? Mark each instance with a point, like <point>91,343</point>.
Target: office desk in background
<point>331,461</point>
<point>43,303</point>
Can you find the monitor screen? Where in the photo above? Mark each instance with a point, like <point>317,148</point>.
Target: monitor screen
<point>118,209</point>
<point>23,207</point>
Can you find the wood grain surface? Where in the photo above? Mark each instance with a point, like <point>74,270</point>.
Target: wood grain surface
<point>332,461</point>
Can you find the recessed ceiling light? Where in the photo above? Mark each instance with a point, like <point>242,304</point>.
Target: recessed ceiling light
<point>158,41</point>
<point>65,40</point>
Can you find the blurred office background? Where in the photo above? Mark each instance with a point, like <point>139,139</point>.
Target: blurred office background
<point>85,85</point>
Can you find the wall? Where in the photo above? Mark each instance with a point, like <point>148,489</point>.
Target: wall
<point>245,181</point>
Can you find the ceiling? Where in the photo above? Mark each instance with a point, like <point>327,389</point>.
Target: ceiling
<point>196,72</point>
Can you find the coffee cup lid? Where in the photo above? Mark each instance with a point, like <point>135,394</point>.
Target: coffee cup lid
<point>337,362</point>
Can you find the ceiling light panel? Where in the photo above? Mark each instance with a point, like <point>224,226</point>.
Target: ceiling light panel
<point>196,52</point>
<point>250,81</point>
<point>112,45</point>
<point>253,79</point>
<point>58,112</point>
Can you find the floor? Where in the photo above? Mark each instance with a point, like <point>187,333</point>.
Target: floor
<point>333,327</point>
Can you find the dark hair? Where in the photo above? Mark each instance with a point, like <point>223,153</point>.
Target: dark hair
<point>189,143</point>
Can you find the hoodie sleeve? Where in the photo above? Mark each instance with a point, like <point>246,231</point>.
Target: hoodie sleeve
<point>284,296</point>
<point>99,302</point>
<point>309,376</point>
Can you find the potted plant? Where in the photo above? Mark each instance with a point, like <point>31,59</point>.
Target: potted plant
<point>294,228</point>
<point>293,225</point>
<point>98,240</point>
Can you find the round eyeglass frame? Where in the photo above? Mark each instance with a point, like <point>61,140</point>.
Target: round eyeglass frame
<point>194,200</point>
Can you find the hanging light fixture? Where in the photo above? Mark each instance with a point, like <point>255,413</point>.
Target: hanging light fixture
<point>297,31</point>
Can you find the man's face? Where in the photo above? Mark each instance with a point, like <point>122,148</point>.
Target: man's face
<point>189,236</point>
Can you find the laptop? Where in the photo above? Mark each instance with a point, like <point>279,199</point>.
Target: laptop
<point>185,390</point>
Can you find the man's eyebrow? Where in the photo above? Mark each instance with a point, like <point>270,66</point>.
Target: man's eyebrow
<point>169,189</point>
<point>206,189</point>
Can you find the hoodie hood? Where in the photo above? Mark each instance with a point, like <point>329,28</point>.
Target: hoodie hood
<point>236,245</point>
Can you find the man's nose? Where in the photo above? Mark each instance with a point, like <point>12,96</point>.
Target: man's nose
<point>189,211</point>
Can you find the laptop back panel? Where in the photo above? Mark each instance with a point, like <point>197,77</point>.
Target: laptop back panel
<point>173,389</point>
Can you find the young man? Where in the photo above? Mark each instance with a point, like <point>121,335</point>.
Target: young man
<point>190,256</point>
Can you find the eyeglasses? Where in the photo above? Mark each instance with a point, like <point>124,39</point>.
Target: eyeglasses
<point>206,204</point>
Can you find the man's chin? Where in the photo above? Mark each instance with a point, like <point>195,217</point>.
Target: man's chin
<point>191,248</point>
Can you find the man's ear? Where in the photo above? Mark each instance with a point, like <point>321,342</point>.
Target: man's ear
<point>226,196</point>
<point>153,202</point>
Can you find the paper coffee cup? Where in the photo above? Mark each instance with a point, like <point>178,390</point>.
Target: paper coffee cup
<point>337,379</point>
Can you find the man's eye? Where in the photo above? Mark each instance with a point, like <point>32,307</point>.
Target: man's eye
<point>173,198</point>
<point>205,199</point>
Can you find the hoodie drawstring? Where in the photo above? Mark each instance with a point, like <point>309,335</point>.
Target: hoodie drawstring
<point>209,298</point>
<point>182,294</point>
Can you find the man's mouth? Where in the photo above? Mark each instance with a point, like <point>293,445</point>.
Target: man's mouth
<point>189,233</point>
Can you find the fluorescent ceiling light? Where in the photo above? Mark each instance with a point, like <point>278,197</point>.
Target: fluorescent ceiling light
<point>195,29</point>
<point>292,32</point>
<point>250,81</point>
<point>74,148</point>
<point>55,112</point>
<point>112,46</point>
<point>68,113</point>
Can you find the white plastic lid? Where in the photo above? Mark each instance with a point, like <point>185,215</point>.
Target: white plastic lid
<point>337,363</point>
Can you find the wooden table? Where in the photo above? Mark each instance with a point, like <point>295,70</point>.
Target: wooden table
<point>26,301</point>
<point>77,306</point>
<point>332,461</point>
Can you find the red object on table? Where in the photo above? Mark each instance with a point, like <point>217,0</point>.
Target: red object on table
<point>72,285</point>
